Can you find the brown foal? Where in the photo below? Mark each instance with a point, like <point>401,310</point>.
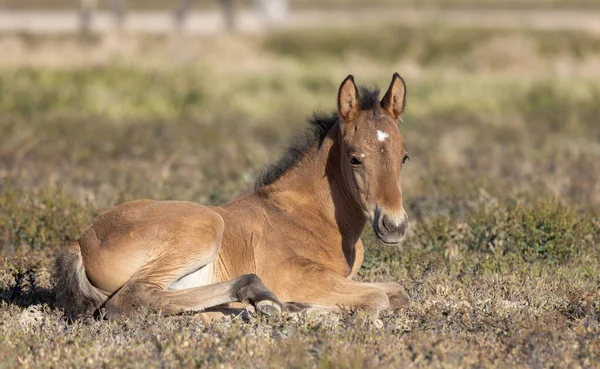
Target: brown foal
<point>295,239</point>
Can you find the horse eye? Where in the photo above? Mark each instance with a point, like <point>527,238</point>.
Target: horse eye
<point>405,158</point>
<point>355,161</point>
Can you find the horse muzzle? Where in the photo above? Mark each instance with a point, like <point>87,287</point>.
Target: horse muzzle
<point>390,228</point>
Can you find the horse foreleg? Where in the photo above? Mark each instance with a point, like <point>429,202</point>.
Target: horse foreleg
<point>395,293</point>
<point>312,286</point>
<point>397,296</point>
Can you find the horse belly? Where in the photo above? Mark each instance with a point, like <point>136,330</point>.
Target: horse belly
<point>201,277</point>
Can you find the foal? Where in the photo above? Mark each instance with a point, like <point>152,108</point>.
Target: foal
<point>295,239</point>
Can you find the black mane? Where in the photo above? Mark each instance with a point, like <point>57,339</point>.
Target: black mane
<point>319,126</point>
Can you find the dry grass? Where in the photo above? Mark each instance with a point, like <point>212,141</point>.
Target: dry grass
<point>503,190</point>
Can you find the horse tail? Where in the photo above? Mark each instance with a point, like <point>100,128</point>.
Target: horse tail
<point>74,292</point>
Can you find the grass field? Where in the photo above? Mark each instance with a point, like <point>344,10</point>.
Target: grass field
<point>503,189</point>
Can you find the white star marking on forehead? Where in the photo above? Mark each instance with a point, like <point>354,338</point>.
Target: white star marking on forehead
<point>381,135</point>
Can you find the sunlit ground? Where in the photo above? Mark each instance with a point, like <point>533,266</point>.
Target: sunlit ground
<point>503,188</point>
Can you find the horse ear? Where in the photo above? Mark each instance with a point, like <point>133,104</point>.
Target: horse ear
<point>395,98</point>
<point>348,100</point>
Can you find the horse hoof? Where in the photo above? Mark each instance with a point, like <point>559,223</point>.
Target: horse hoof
<point>268,308</point>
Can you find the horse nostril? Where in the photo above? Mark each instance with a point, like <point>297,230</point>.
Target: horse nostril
<point>393,225</point>
<point>388,224</point>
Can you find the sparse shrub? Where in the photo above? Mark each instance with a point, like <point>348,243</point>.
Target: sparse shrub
<point>550,107</point>
<point>24,282</point>
<point>38,219</point>
<point>107,91</point>
<point>545,231</point>
<point>431,45</point>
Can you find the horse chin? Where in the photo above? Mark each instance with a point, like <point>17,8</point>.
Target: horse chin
<point>388,241</point>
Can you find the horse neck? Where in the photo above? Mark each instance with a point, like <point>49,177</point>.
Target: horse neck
<point>320,183</point>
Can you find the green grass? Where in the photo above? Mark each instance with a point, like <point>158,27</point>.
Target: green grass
<point>428,46</point>
<point>502,190</point>
<point>118,93</point>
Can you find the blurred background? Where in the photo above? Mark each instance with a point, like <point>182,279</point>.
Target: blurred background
<point>107,101</point>
<point>112,100</point>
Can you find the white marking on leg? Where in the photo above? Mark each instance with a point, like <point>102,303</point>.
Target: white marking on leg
<point>381,135</point>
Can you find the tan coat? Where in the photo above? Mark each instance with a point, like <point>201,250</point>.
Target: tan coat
<point>294,240</point>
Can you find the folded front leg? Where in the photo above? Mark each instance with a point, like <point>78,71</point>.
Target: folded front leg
<point>395,293</point>
<point>313,286</point>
